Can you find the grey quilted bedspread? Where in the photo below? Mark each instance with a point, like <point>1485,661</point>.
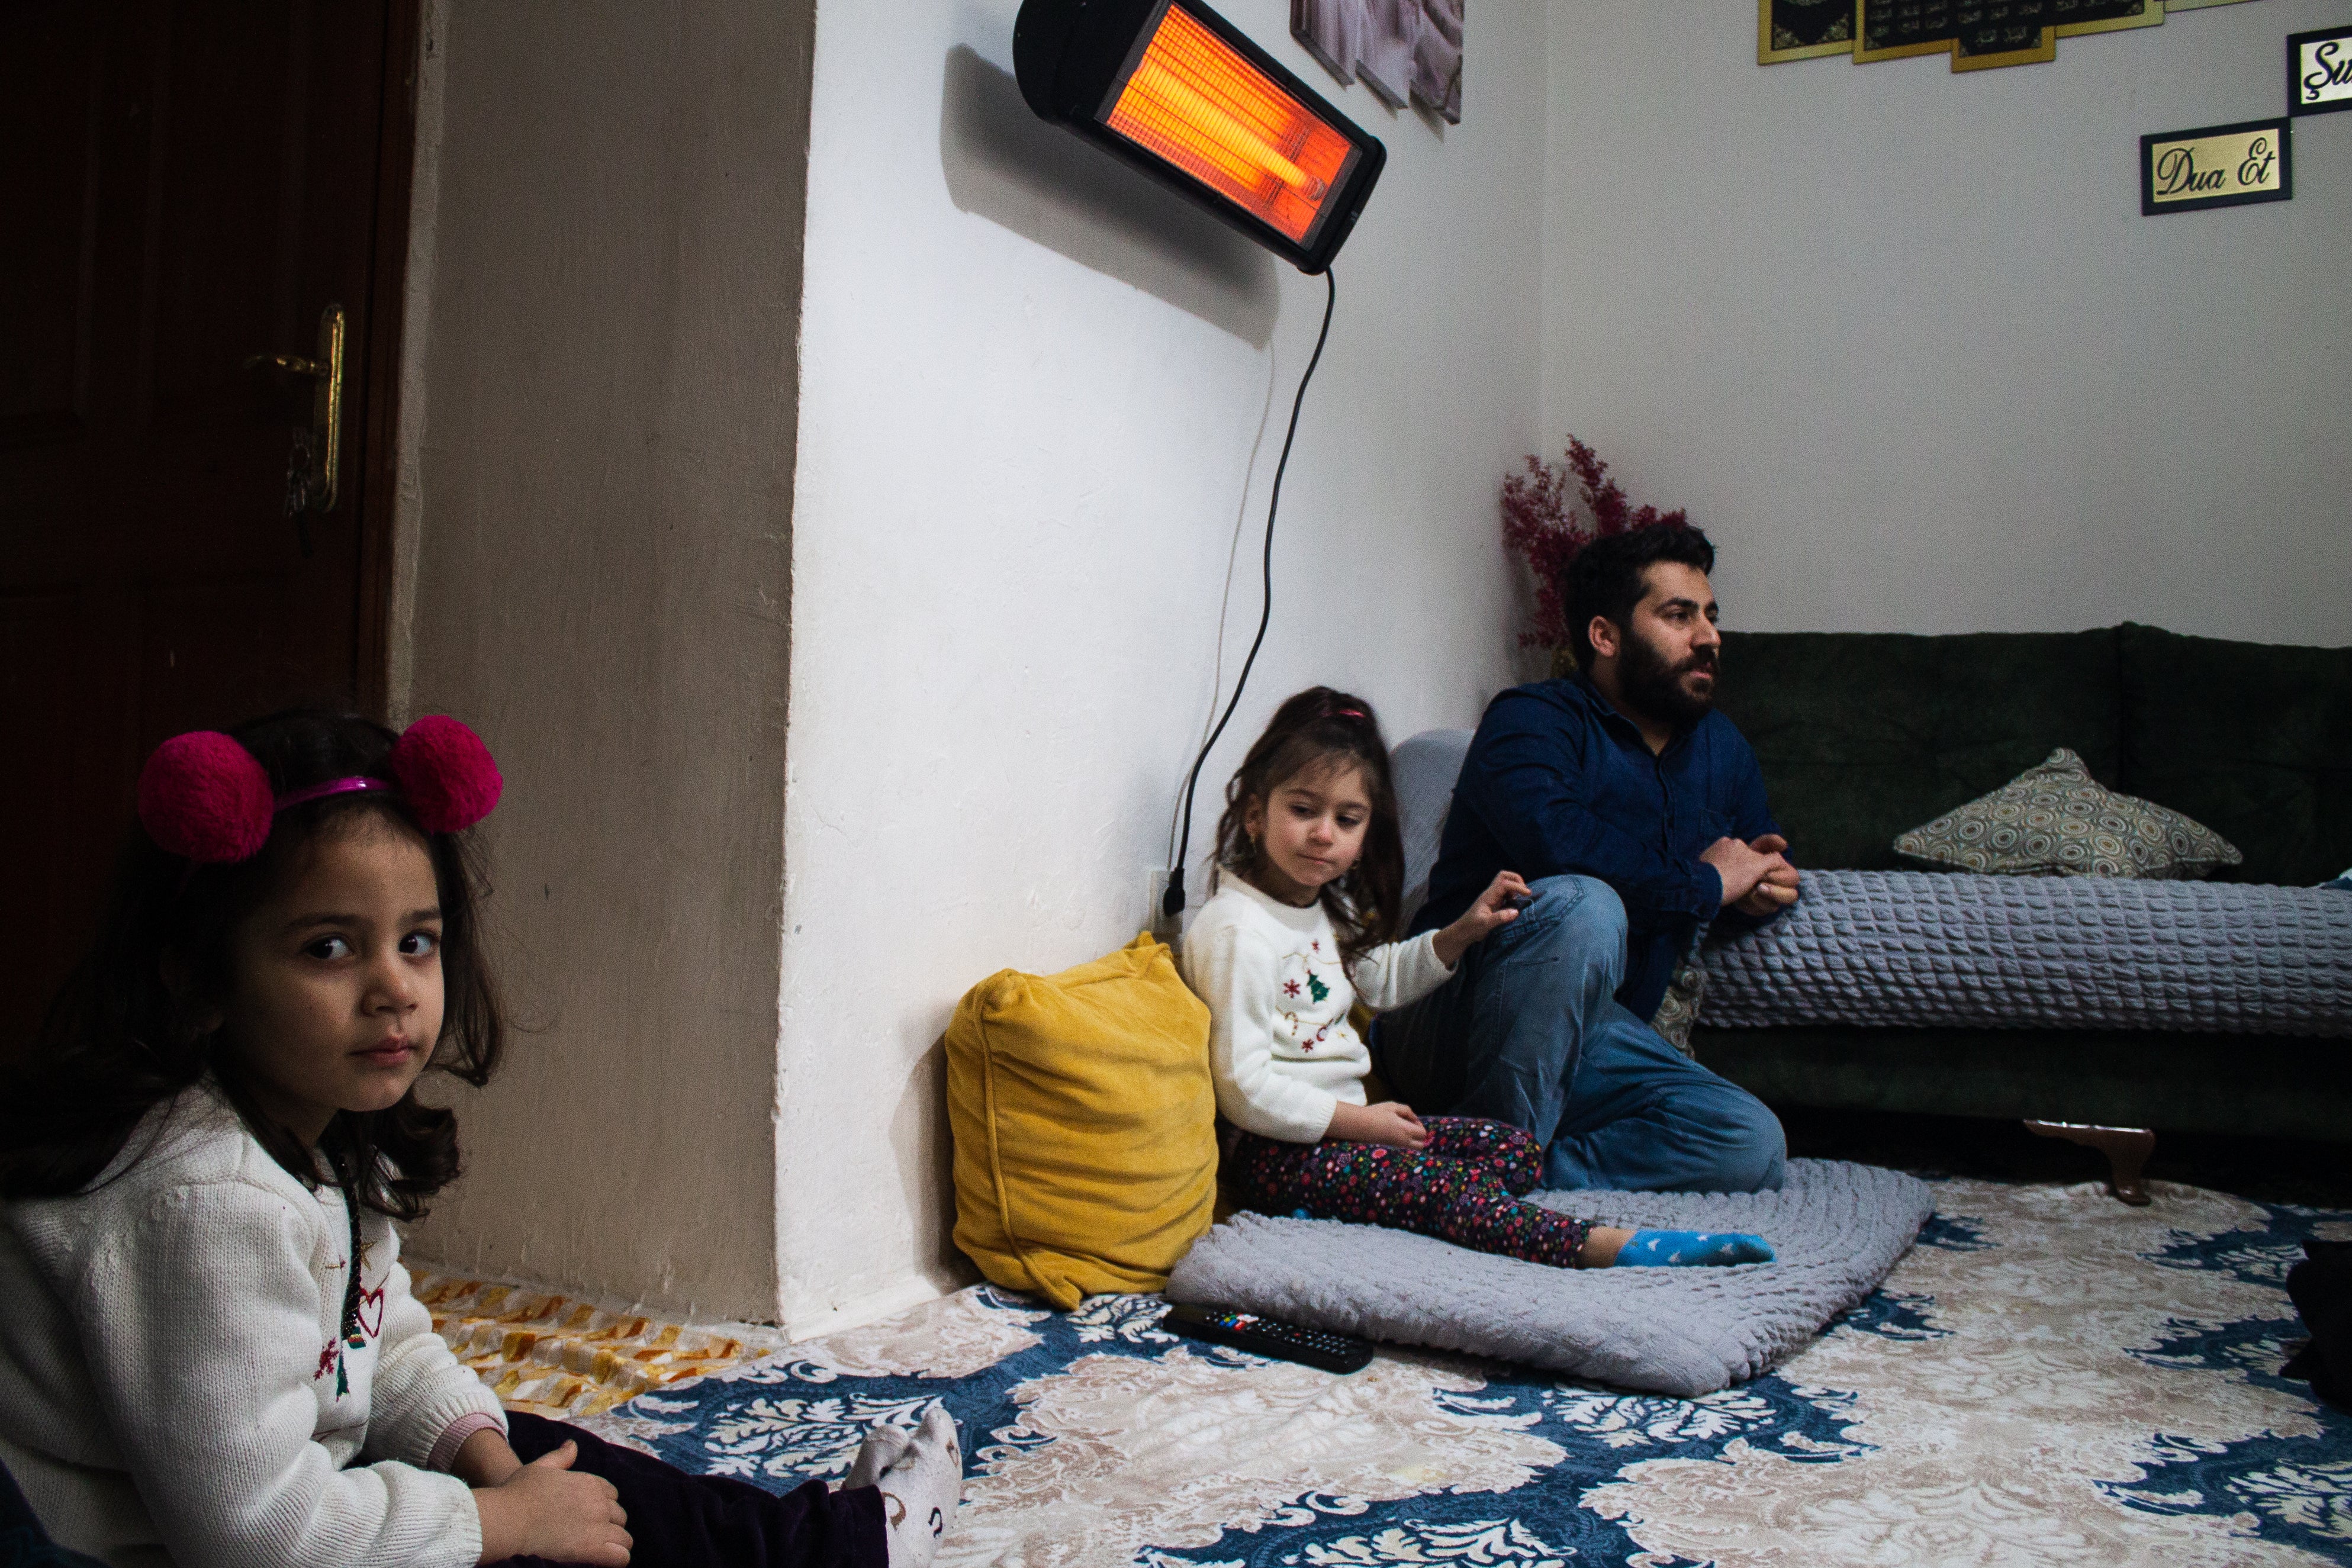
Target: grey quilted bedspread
<point>1937,949</point>
<point>1837,1229</point>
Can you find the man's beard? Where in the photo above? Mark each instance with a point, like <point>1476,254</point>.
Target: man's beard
<point>1653,689</point>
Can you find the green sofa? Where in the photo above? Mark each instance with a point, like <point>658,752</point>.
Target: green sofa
<point>1863,735</point>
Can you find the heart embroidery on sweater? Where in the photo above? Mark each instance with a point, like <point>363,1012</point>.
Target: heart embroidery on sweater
<point>370,1316</point>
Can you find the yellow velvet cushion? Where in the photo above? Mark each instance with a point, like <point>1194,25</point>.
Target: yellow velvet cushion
<point>1086,1148</point>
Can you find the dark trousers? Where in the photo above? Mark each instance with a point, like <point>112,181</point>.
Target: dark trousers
<point>680,1521</point>
<point>1464,1187</point>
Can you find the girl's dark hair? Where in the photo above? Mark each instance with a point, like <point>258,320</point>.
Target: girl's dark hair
<point>120,1039</point>
<point>1316,729</point>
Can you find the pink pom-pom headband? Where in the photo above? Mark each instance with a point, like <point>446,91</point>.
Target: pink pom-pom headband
<point>203,796</point>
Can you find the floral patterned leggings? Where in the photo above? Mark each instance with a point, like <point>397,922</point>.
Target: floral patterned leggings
<point>1464,1186</point>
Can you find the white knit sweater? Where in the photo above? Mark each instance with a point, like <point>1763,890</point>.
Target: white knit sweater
<point>167,1367</point>
<point>1280,1045</point>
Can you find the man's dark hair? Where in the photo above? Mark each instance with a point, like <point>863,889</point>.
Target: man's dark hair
<point>1605,578</point>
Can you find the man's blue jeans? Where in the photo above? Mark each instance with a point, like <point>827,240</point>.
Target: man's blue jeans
<point>1528,1032</point>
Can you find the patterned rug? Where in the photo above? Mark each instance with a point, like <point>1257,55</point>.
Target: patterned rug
<point>2048,1379</point>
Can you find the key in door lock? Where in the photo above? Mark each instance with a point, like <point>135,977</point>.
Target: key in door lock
<point>314,466</point>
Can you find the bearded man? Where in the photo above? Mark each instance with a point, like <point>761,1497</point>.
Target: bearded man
<point>1636,813</point>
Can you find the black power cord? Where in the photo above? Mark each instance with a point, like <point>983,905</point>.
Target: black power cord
<point>1172,903</point>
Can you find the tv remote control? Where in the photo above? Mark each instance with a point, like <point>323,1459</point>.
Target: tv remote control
<point>1269,1336</point>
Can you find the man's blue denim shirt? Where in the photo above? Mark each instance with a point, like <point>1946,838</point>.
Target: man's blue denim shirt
<point>1556,781</point>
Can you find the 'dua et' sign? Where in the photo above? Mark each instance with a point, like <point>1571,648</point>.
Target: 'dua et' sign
<point>2219,166</point>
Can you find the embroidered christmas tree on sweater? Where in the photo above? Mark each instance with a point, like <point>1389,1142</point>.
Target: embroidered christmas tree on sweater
<point>1278,992</point>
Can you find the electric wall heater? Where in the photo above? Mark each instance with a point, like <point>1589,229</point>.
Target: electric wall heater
<point>1178,91</point>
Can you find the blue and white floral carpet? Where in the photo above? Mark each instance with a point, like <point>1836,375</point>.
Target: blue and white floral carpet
<point>2048,1379</point>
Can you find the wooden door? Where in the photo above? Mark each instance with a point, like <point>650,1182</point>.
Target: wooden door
<point>186,186</point>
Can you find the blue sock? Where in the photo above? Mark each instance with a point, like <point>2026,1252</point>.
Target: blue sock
<point>1692,1249</point>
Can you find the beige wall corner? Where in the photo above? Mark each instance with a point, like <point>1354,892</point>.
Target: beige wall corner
<point>600,424</point>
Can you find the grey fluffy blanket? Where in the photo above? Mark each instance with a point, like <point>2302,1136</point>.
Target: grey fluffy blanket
<point>1837,1228</point>
<point>1920,949</point>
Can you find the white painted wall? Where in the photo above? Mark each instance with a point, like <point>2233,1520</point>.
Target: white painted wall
<point>1902,342</point>
<point>1038,406</point>
<point>1037,400</point>
<point>597,442</point>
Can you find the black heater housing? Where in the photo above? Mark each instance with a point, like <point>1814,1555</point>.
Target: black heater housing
<point>1073,58</point>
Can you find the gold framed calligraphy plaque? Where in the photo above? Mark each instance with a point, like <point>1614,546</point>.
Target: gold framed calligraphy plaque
<point>2319,71</point>
<point>1802,29</point>
<point>2217,166</point>
<point>1976,34</point>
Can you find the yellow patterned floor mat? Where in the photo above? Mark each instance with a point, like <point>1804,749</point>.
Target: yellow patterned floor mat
<point>566,1359</point>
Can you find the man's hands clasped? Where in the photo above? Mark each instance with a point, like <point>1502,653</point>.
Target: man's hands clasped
<point>1757,877</point>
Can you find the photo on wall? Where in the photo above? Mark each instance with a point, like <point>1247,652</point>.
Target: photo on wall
<point>1437,59</point>
<point>1333,32</point>
<point>1392,29</point>
<point>1404,50</point>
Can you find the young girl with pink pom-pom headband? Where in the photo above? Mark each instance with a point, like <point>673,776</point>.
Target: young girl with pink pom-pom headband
<point>213,1353</point>
<point>204,797</point>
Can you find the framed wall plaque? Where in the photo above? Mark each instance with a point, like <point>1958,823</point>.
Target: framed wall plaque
<point>1976,34</point>
<point>2319,71</point>
<point>1403,50</point>
<point>1802,29</point>
<point>1982,34</point>
<point>2217,166</point>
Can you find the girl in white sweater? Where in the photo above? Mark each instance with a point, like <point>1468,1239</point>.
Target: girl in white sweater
<point>209,1354</point>
<point>1312,873</point>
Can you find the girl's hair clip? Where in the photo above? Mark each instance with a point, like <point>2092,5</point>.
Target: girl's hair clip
<point>1346,713</point>
<point>203,796</point>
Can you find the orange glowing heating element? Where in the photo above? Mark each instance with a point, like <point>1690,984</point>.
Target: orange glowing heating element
<point>1195,101</point>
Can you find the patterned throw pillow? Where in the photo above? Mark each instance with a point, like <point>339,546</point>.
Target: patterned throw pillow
<point>1686,994</point>
<point>2055,819</point>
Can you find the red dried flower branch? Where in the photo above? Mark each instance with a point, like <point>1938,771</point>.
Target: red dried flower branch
<point>1540,525</point>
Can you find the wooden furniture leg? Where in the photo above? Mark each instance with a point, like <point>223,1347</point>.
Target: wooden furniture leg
<point>2126,1149</point>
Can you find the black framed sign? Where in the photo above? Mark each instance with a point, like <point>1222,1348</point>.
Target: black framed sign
<point>1991,32</point>
<point>2215,166</point>
<point>1802,29</point>
<point>2319,71</point>
<point>1976,34</point>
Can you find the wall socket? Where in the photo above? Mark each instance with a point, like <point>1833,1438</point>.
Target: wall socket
<point>1155,887</point>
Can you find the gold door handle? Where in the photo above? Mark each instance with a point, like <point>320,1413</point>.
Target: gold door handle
<point>313,477</point>
<point>292,364</point>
